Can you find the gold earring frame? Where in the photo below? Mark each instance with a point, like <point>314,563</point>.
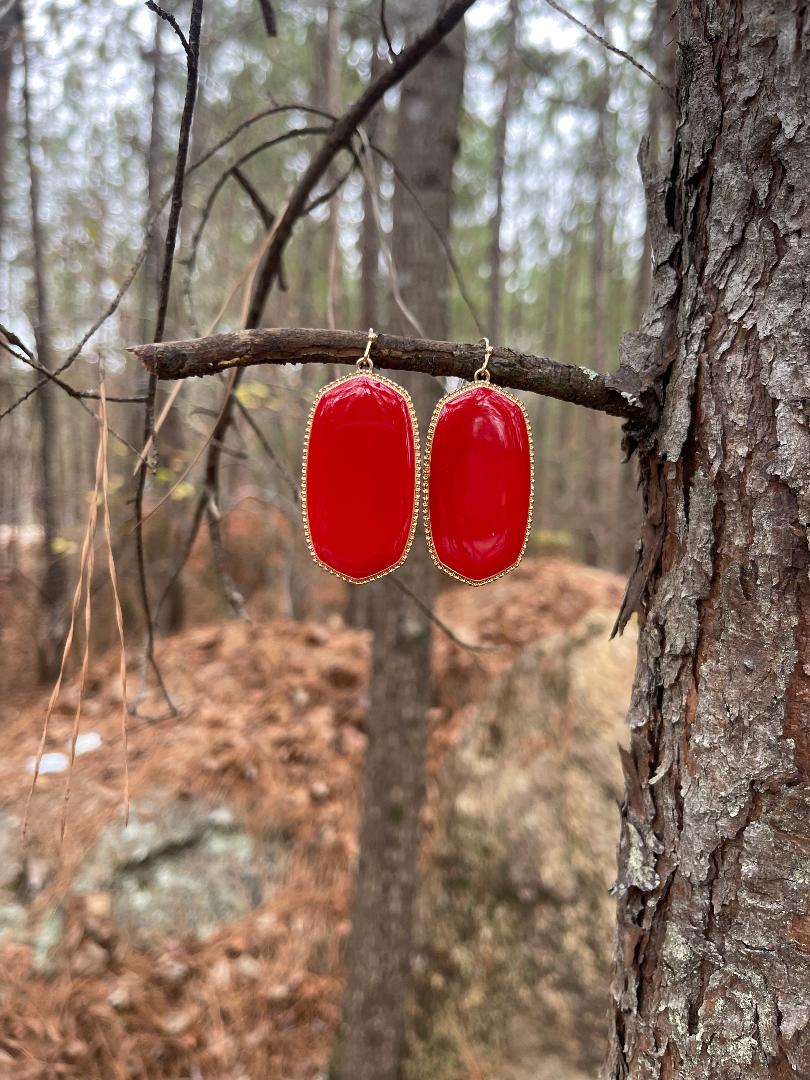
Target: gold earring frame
<point>482,374</point>
<point>365,369</point>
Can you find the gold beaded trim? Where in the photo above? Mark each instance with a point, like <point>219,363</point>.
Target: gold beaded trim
<point>366,373</point>
<point>426,481</point>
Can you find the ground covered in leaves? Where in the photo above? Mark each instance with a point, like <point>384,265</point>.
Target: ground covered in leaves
<point>258,774</point>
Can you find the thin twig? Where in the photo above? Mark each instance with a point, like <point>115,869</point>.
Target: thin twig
<point>268,449</point>
<point>434,618</point>
<point>232,593</point>
<point>452,262</point>
<point>610,46</point>
<point>339,138</point>
<point>170,19</point>
<point>269,16</point>
<point>233,170</point>
<point>388,257</point>
<point>193,57</point>
<point>80,395</point>
<point>392,53</point>
<point>132,273</point>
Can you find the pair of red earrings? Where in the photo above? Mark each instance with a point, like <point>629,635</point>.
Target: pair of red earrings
<point>361,469</point>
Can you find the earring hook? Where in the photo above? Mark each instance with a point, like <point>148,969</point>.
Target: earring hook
<point>365,362</point>
<point>482,373</point>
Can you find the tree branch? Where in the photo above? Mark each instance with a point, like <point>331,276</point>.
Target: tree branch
<point>269,16</point>
<point>170,19</point>
<point>339,137</point>
<point>610,46</point>
<point>520,371</point>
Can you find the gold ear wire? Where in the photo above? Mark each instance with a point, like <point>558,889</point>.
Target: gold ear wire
<point>482,373</point>
<point>365,362</point>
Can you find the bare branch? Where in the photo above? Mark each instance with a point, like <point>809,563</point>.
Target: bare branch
<point>232,594</point>
<point>261,207</point>
<point>610,47</point>
<point>268,449</point>
<point>520,371</point>
<point>193,56</point>
<point>385,31</point>
<point>269,17</point>
<point>132,273</point>
<point>25,356</point>
<point>234,170</point>
<point>428,611</point>
<point>339,137</point>
<point>170,19</point>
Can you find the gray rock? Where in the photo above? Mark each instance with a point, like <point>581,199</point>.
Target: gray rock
<point>13,915</point>
<point>181,867</point>
<point>11,856</point>
<point>515,923</point>
<point>45,939</point>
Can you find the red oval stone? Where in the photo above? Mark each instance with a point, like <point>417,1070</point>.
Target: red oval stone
<point>479,483</point>
<point>361,460</point>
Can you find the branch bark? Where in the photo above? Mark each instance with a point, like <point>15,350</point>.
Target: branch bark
<point>520,371</point>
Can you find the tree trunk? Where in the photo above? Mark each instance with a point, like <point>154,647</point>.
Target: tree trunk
<point>713,951</point>
<point>660,122</point>
<point>332,95</point>
<point>501,135</point>
<point>8,36</point>
<point>371,1040</point>
<point>595,460</point>
<point>358,608</point>
<point>661,119</point>
<point>53,590</point>
<point>167,535</point>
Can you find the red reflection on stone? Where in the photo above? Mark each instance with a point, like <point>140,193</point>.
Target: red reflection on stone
<point>360,477</point>
<point>479,494</point>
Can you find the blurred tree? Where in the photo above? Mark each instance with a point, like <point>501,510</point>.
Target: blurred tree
<point>53,588</point>
<point>9,22</point>
<point>165,534</point>
<point>371,1040</point>
<point>507,108</point>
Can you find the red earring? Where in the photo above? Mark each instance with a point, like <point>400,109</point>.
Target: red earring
<point>479,481</point>
<point>359,491</point>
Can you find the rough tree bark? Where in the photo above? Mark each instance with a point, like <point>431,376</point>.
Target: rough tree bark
<point>713,950</point>
<point>660,121</point>
<point>660,134</point>
<point>520,371</point>
<point>371,1041</point>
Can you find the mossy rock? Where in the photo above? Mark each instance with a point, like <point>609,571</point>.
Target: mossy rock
<point>515,922</point>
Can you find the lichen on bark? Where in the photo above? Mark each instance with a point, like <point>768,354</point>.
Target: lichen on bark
<point>712,964</point>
